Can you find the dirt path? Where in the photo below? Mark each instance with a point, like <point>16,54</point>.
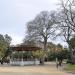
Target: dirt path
<point>49,69</point>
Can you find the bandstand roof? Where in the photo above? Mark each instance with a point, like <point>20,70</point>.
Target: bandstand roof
<point>25,48</point>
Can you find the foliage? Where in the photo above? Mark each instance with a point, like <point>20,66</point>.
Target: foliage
<point>51,55</point>
<point>60,54</point>
<point>4,44</point>
<point>24,54</point>
<point>72,42</point>
<point>59,46</point>
<point>7,39</point>
<point>39,54</point>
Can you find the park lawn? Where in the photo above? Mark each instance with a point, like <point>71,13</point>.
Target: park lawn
<point>70,68</point>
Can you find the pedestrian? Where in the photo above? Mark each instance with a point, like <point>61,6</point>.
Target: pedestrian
<point>60,62</point>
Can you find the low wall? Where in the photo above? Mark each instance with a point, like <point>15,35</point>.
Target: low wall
<point>22,63</point>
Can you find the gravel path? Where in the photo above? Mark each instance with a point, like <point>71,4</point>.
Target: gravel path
<point>19,73</point>
<point>48,69</point>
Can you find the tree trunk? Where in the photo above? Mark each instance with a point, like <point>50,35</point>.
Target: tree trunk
<point>42,61</point>
<point>45,49</point>
<point>70,49</point>
<point>45,43</point>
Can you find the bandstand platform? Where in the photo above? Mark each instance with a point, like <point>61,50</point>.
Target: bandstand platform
<point>21,59</point>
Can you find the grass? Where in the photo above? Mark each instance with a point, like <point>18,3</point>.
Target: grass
<point>70,68</point>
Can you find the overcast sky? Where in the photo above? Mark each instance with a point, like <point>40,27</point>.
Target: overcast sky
<point>14,14</point>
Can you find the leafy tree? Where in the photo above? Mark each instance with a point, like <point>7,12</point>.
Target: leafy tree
<point>59,46</point>
<point>72,42</point>
<point>51,55</point>
<point>24,54</point>
<point>4,44</point>
<point>62,54</point>
<point>40,54</point>
<point>7,39</point>
<point>56,51</point>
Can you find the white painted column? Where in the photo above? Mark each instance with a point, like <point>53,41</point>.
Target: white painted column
<point>22,62</point>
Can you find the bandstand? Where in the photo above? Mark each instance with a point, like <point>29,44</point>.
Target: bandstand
<point>21,60</point>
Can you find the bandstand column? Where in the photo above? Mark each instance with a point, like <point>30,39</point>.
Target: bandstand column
<point>18,58</point>
<point>22,61</point>
<point>12,58</point>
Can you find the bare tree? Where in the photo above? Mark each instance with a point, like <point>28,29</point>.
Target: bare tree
<point>68,13</point>
<point>42,27</point>
<point>66,19</point>
<point>65,32</point>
